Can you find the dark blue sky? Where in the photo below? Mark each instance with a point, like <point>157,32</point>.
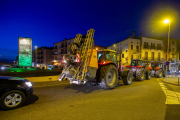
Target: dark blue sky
<point>50,21</point>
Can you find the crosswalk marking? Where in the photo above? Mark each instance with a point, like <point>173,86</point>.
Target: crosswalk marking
<point>171,96</point>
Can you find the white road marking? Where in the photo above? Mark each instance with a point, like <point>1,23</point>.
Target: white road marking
<point>171,96</point>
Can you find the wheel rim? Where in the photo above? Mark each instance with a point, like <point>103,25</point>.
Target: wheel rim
<point>149,74</point>
<point>13,100</point>
<point>130,78</point>
<point>111,77</point>
<point>142,75</point>
<point>160,73</point>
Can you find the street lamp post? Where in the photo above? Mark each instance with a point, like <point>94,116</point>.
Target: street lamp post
<point>167,21</point>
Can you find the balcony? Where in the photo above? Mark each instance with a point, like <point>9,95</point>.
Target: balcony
<point>40,62</point>
<point>40,57</point>
<point>64,46</point>
<point>153,59</point>
<point>40,53</point>
<point>63,53</point>
<point>152,47</point>
<point>136,51</point>
<point>54,54</point>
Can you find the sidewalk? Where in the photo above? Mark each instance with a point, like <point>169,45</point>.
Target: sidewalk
<point>172,80</point>
<point>43,79</point>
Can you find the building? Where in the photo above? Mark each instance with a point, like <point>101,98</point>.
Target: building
<point>42,57</point>
<point>173,54</point>
<point>62,49</point>
<point>135,47</point>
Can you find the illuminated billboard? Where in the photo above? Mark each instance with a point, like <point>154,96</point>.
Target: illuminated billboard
<point>25,52</point>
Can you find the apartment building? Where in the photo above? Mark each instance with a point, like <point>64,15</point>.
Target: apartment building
<point>138,48</point>
<point>42,57</point>
<point>61,49</point>
<point>152,49</point>
<point>173,53</point>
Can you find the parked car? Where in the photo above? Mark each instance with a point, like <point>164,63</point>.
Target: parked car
<point>5,67</point>
<point>14,91</point>
<point>178,72</point>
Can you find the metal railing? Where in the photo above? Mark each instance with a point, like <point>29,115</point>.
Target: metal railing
<point>152,47</point>
<point>153,59</point>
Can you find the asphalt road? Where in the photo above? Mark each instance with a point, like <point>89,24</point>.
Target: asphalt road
<point>61,101</point>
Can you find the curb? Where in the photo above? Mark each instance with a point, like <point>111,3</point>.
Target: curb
<point>169,82</point>
<point>43,78</point>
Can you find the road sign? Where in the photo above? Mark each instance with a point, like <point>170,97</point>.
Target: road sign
<point>167,63</point>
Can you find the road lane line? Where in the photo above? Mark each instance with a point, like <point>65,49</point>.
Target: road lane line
<point>171,96</point>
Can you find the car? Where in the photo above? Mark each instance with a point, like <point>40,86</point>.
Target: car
<point>5,67</point>
<point>177,72</point>
<point>14,91</point>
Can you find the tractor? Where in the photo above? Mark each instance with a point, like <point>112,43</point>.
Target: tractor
<point>157,69</point>
<point>139,69</point>
<point>86,65</point>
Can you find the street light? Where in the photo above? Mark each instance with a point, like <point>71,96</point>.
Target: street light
<point>167,21</point>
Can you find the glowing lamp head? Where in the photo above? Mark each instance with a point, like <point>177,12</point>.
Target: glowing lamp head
<point>166,21</point>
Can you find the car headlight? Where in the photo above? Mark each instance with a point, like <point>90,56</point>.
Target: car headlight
<point>29,84</point>
<point>2,68</point>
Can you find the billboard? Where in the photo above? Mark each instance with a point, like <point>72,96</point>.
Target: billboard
<point>25,52</point>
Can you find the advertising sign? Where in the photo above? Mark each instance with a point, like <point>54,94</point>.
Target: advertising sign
<point>25,52</point>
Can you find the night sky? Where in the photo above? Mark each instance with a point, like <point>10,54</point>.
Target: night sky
<point>50,21</point>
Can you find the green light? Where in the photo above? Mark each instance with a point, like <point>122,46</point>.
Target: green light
<point>25,52</point>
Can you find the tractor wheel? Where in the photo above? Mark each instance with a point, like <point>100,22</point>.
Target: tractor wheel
<point>148,74</point>
<point>159,73</point>
<point>127,79</point>
<point>108,77</point>
<point>140,74</point>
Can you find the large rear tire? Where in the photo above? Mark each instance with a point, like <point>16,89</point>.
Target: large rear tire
<point>140,74</point>
<point>159,73</point>
<point>148,74</point>
<point>127,79</point>
<point>108,77</point>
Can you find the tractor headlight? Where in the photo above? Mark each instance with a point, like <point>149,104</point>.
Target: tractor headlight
<point>29,84</point>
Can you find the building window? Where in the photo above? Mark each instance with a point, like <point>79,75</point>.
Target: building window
<point>120,49</point>
<point>137,48</point>
<point>131,42</point>
<point>122,55</point>
<point>120,44</point>
<point>152,56</point>
<point>131,47</point>
<point>173,42</point>
<point>145,44</point>
<point>131,56</point>
<point>173,50</point>
<point>55,46</point>
<point>137,43</point>
<point>146,56</point>
<point>152,45</point>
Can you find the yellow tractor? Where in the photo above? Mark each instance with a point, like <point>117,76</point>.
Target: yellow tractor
<point>87,65</point>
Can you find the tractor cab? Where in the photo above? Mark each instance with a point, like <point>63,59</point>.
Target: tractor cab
<point>106,56</point>
<point>136,62</point>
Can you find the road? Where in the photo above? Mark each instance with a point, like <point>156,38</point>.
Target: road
<point>144,100</point>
